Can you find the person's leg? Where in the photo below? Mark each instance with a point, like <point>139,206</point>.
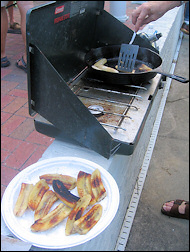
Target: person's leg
<point>185,25</point>
<point>24,6</point>
<point>186,18</point>
<point>10,11</point>
<point>4,29</point>
<point>13,24</point>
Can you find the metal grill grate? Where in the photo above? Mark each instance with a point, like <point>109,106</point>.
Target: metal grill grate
<point>115,101</point>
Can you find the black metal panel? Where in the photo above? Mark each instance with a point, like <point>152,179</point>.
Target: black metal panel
<point>64,32</point>
<point>53,99</point>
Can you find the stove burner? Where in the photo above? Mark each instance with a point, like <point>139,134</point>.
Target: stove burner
<point>96,110</point>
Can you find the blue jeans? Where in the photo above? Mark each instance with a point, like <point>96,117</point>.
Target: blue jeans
<point>186,18</point>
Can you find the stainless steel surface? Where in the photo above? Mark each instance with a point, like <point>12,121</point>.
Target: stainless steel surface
<point>124,108</point>
<point>133,38</point>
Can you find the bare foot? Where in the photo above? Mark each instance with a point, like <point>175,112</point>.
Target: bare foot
<point>168,205</point>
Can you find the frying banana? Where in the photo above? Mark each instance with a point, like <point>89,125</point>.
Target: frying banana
<point>89,220</point>
<point>84,186</point>
<point>22,200</point>
<point>98,188</point>
<point>99,65</point>
<point>76,213</point>
<point>100,62</point>
<point>45,204</point>
<point>144,68</point>
<point>63,194</point>
<point>51,219</point>
<point>68,181</point>
<point>108,69</point>
<point>37,193</point>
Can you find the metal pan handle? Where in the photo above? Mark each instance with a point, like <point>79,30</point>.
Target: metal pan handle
<point>175,77</point>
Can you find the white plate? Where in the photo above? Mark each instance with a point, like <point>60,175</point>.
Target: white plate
<point>55,238</point>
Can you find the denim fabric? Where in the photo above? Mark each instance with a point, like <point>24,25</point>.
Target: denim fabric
<point>186,18</point>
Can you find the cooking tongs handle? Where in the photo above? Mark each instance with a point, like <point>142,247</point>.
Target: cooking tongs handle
<point>175,77</point>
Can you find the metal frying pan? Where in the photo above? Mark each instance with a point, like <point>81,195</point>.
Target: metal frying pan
<point>111,53</point>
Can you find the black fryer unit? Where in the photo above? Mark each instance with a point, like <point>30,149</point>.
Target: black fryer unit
<point>59,34</point>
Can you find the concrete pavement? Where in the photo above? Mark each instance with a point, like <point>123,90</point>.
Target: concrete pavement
<point>168,173</point>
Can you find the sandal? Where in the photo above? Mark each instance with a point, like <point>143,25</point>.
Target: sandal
<point>23,66</point>
<point>5,62</point>
<point>15,26</point>
<point>174,210</point>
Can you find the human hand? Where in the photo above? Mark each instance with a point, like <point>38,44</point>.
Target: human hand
<point>151,11</point>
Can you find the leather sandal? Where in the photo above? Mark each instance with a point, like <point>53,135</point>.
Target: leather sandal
<point>5,62</point>
<point>15,26</point>
<point>23,66</point>
<point>174,212</point>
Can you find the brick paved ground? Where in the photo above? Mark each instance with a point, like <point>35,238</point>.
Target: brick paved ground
<point>21,144</point>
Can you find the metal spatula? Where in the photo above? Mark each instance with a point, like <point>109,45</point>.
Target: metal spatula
<point>127,56</point>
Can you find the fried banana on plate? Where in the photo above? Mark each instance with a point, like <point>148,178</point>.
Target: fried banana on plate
<point>37,193</point>
<point>68,181</point>
<point>84,186</point>
<point>45,204</point>
<point>98,188</point>
<point>64,194</point>
<point>76,213</point>
<point>51,219</point>
<point>89,220</point>
<point>22,200</point>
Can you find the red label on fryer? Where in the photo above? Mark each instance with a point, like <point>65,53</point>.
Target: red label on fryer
<point>59,9</point>
<point>59,19</point>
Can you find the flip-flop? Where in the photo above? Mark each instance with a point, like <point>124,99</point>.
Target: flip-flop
<point>5,62</point>
<point>23,66</point>
<point>174,212</point>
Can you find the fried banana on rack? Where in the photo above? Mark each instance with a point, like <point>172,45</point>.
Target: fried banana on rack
<point>37,193</point>
<point>84,186</point>
<point>98,188</point>
<point>45,204</point>
<point>63,194</point>
<point>51,219</point>
<point>22,201</point>
<point>89,220</point>
<point>76,213</point>
<point>68,181</point>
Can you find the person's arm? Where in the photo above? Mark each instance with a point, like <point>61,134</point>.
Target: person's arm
<point>151,11</point>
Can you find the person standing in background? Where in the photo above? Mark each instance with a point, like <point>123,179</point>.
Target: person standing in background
<point>185,25</point>
<point>23,7</point>
<point>12,23</point>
